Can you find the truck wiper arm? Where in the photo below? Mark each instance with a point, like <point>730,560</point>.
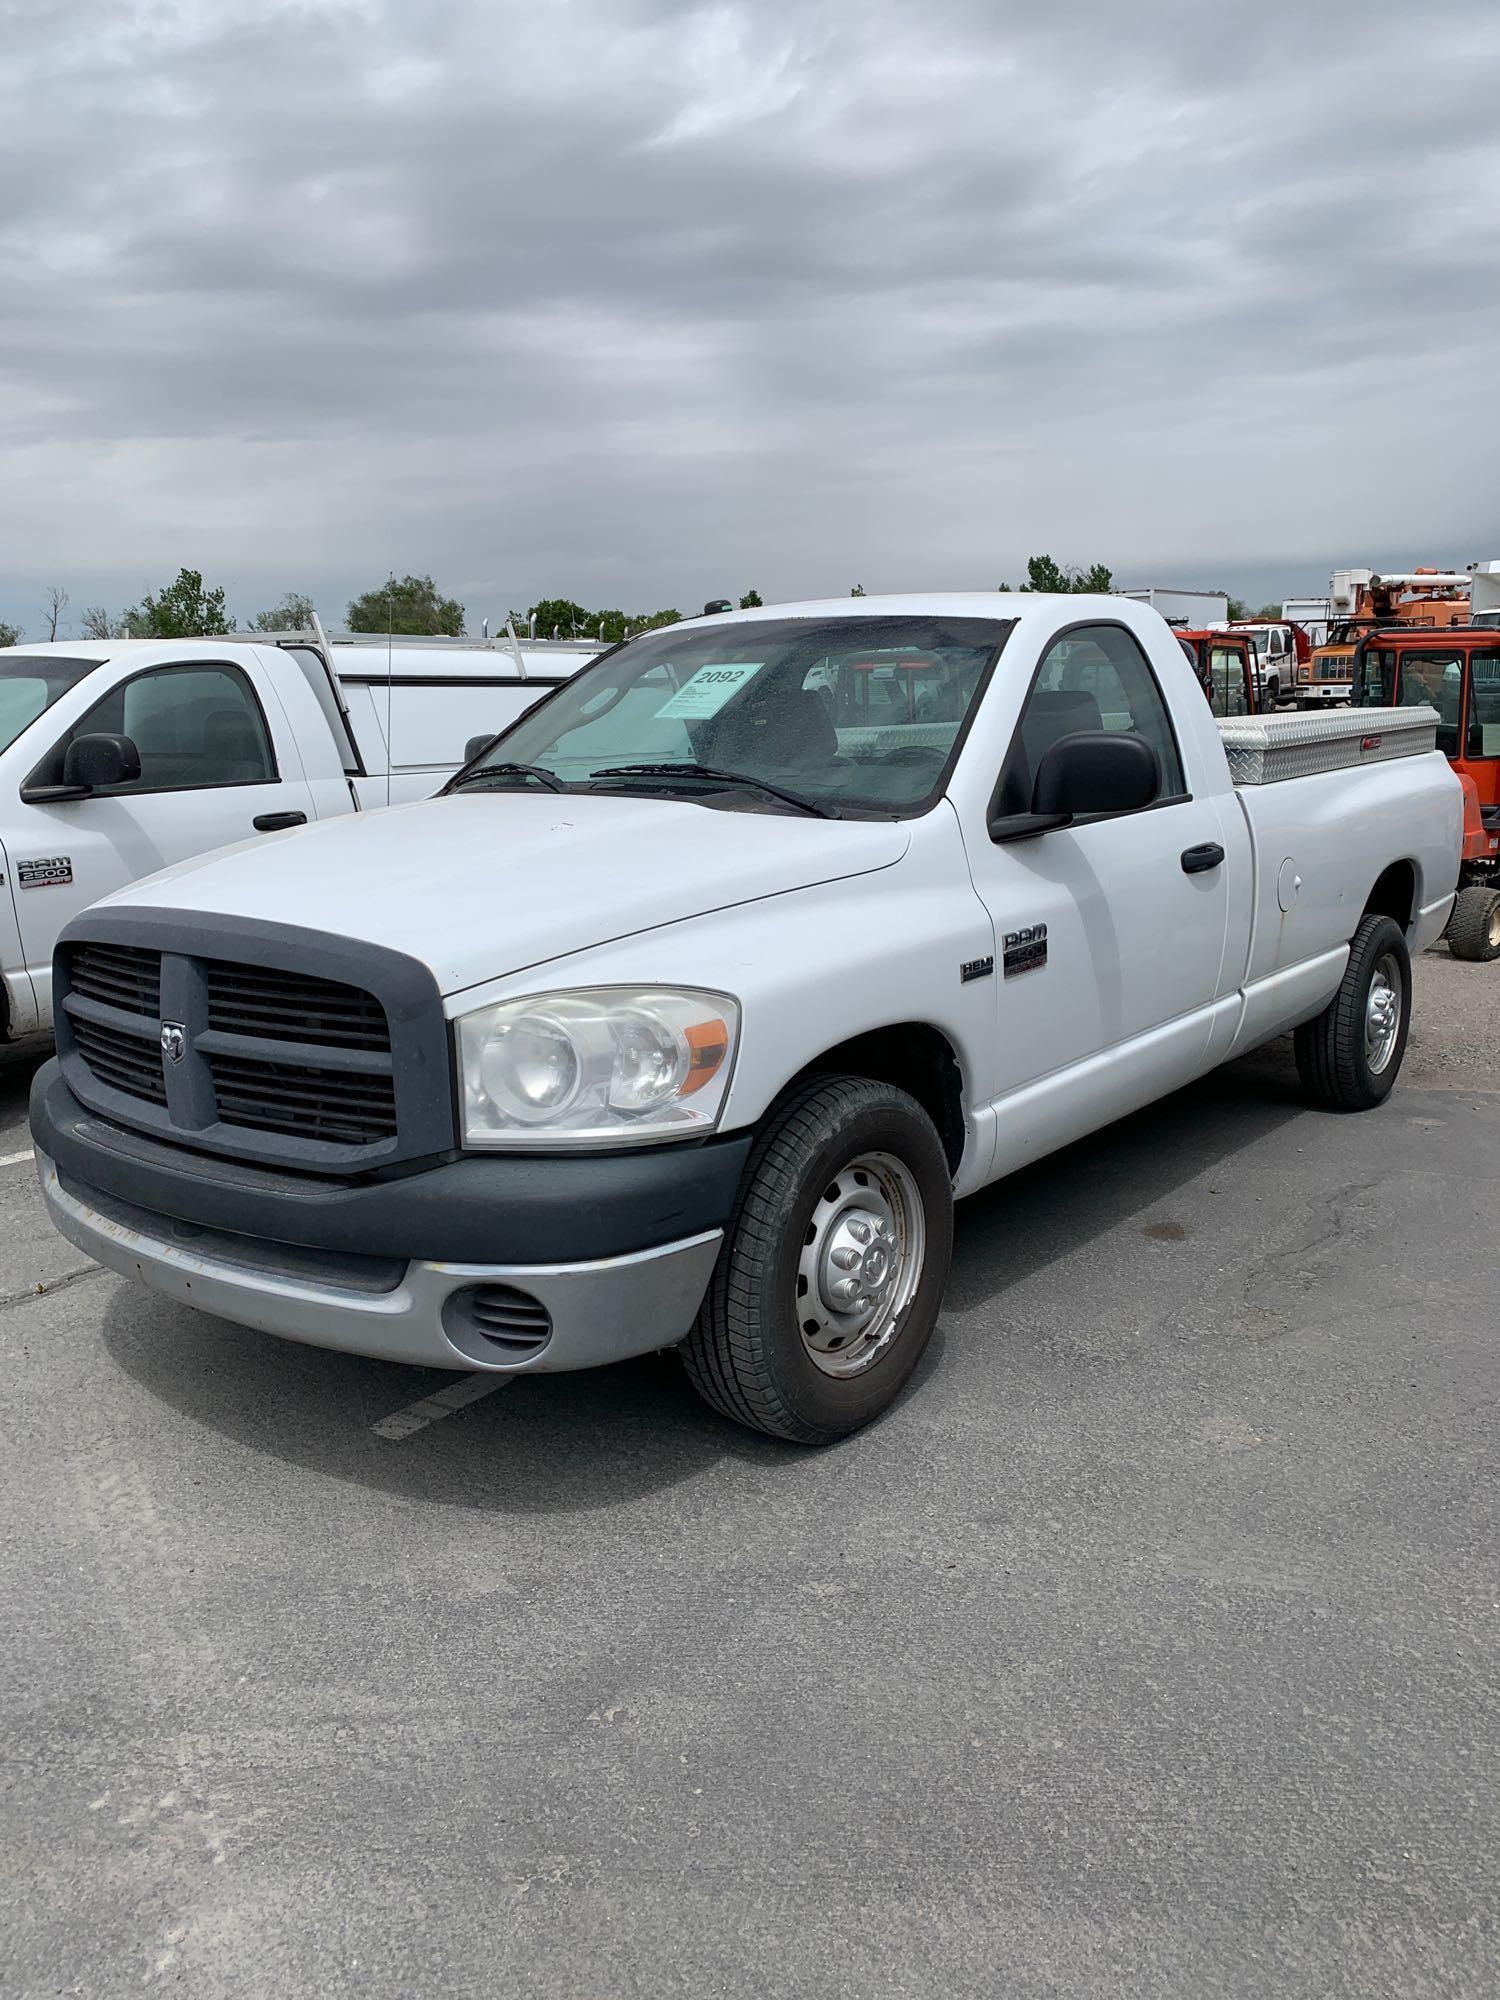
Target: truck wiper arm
<point>713,773</point>
<point>543,777</point>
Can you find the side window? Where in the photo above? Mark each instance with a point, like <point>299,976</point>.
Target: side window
<point>194,727</point>
<point>1096,677</point>
<point>1484,706</point>
<point>1377,677</point>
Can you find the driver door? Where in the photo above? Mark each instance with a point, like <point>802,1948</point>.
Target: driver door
<point>1109,951</point>
<point>210,775</point>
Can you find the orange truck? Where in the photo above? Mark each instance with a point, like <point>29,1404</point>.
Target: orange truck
<point>1360,601</point>
<point>1455,670</point>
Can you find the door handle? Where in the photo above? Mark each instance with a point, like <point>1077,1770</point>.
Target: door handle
<point>1198,860</point>
<point>275,822</point>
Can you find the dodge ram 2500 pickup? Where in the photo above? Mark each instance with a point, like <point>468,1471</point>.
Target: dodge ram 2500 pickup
<point>688,1009</point>
<point>119,757</point>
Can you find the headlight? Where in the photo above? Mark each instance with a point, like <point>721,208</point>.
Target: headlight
<point>603,1065</point>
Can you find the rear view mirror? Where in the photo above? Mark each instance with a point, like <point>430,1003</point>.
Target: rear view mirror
<point>1096,771</point>
<point>477,745</point>
<point>101,762</point>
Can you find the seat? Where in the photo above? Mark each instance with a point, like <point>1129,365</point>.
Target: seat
<point>772,731</point>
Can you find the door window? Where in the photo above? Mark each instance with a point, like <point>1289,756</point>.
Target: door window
<point>1484,706</point>
<point>195,727</point>
<point>1227,672</point>
<point>1434,680</point>
<point>1096,677</point>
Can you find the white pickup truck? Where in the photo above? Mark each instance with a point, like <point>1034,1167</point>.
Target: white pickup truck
<point>690,1007</point>
<point>119,757</point>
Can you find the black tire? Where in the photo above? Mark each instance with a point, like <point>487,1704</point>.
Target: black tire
<point>1474,927</point>
<point>1333,1057</point>
<point>1273,693</point>
<point>747,1354</point>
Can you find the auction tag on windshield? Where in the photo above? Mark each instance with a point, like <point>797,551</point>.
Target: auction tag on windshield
<point>709,689</point>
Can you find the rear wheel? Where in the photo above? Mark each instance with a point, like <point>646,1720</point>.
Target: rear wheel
<point>1349,1056</point>
<point>1474,927</point>
<point>829,1283</point>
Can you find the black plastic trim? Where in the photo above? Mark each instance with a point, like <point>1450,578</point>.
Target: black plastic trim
<point>519,1209</point>
<point>419,1062</point>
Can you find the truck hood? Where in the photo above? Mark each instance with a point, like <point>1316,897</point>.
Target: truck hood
<point>482,886</point>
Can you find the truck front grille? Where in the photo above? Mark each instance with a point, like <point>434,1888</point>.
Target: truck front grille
<point>120,975</point>
<point>276,1064</point>
<point>346,1108</point>
<point>124,1062</point>
<point>292,1007</point>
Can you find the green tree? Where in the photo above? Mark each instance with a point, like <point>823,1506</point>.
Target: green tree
<point>858,590</point>
<point>1238,608</point>
<point>655,620</point>
<point>10,635</point>
<point>96,623</point>
<point>411,605</point>
<point>1059,579</point>
<point>180,610</point>
<point>751,601</point>
<point>293,614</point>
<point>561,618</point>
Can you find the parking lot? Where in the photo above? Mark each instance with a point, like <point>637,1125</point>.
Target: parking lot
<point>1147,1647</point>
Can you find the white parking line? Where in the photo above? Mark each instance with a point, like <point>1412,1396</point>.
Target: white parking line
<point>432,1409</point>
<point>15,1159</point>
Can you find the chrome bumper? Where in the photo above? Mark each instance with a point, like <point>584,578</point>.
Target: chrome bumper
<point>598,1312</point>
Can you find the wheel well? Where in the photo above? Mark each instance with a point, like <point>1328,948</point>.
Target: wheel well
<point>1394,894</point>
<point>915,1057</point>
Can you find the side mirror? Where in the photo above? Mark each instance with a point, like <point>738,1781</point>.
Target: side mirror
<point>477,745</point>
<point>1096,771</point>
<point>99,763</point>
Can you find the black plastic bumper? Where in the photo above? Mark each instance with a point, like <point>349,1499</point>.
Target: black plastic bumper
<point>493,1209</point>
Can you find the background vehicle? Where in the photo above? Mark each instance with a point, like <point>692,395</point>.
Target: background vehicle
<point>1224,665</point>
<point>1359,601</point>
<point>766,990</point>
<point>1275,650</point>
<point>1197,608</point>
<point>1310,615</point>
<point>118,757</point>
<point>1457,672</point>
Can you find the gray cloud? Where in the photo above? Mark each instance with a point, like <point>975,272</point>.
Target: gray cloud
<point>645,301</point>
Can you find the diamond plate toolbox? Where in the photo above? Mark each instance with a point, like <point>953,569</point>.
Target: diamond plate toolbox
<point>1265,749</point>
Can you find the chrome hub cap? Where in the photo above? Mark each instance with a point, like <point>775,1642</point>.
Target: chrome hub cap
<point>861,1263</point>
<point>1382,1014</point>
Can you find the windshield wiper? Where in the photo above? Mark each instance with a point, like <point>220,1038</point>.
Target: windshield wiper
<point>713,774</point>
<point>547,778</point>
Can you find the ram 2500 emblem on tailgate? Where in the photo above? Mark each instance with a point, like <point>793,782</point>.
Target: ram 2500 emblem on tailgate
<point>1025,950</point>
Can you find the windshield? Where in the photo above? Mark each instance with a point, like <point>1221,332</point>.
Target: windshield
<point>29,684</point>
<point>857,714</point>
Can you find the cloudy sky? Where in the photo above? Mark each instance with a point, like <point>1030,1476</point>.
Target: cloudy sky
<point>642,301</point>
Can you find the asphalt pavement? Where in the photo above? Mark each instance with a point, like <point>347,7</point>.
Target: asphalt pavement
<point>1146,1648</point>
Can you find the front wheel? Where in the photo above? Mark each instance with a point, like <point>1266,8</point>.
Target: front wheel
<point>1474,927</point>
<point>832,1272</point>
<point>1349,1056</point>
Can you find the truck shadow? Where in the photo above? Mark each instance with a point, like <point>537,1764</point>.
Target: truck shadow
<point>578,1443</point>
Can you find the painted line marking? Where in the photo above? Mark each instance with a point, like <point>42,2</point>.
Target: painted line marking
<point>15,1159</point>
<point>432,1409</point>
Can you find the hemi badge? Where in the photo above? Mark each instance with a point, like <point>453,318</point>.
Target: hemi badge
<point>977,968</point>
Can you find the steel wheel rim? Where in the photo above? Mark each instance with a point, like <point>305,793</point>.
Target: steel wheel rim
<point>860,1264</point>
<point>1382,1013</point>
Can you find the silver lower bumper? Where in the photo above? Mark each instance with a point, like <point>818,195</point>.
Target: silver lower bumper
<point>599,1312</point>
